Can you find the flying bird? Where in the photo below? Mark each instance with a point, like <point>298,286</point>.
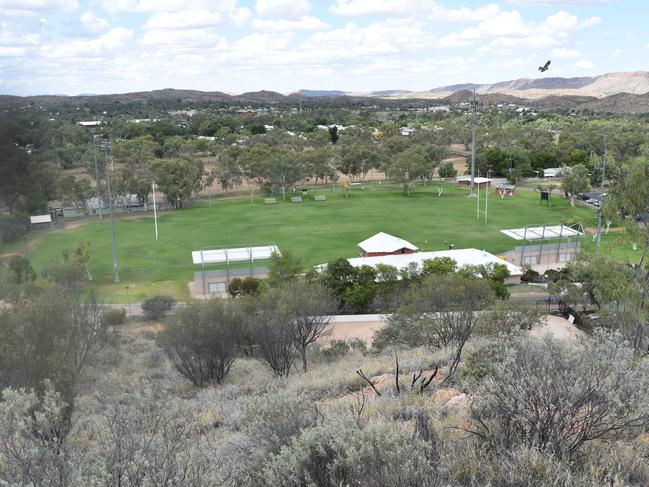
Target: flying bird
<point>545,67</point>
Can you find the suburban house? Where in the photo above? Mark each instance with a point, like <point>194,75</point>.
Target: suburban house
<point>385,244</point>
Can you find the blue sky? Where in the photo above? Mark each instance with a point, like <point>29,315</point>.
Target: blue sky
<point>114,46</point>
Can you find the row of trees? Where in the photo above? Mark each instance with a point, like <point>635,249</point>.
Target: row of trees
<point>358,288</point>
<point>204,339</point>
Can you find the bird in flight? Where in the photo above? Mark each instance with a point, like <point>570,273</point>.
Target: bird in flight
<point>545,67</point>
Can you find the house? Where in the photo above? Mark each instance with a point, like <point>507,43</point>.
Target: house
<point>552,172</point>
<point>90,124</point>
<point>385,244</point>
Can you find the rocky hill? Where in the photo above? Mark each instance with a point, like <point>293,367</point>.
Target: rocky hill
<point>636,82</point>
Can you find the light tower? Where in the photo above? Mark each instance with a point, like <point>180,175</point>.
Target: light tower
<point>474,121</point>
<point>601,201</point>
<point>105,145</point>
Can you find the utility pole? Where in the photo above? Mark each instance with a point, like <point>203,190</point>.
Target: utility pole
<point>601,201</point>
<point>155,211</point>
<point>474,122</point>
<point>94,150</point>
<point>110,214</point>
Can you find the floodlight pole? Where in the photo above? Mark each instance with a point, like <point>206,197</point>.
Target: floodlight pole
<point>112,221</point>
<point>155,211</point>
<point>474,122</point>
<point>601,201</point>
<point>94,150</point>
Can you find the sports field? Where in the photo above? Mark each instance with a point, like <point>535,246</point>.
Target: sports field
<point>314,231</point>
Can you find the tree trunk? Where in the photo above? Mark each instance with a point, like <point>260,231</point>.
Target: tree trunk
<point>572,200</point>
<point>303,354</point>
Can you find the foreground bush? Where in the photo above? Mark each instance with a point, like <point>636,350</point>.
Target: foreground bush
<point>157,306</point>
<point>114,317</point>
<point>557,396</point>
<point>341,452</point>
<point>202,341</point>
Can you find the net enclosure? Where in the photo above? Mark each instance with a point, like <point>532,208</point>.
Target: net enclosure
<point>216,281</point>
<point>544,232</point>
<point>545,247</point>
<point>230,255</point>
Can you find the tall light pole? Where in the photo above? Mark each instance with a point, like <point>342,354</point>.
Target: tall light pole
<point>94,150</point>
<point>155,211</point>
<point>601,201</point>
<point>128,300</point>
<point>474,122</point>
<point>106,147</point>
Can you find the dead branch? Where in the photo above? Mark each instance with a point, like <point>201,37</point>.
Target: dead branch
<point>362,375</point>
<point>396,376</point>
<point>415,378</point>
<point>426,383</point>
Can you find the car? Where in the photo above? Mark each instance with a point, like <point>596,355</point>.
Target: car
<point>593,201</point>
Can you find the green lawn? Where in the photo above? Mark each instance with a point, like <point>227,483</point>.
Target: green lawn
<point>314,231</point>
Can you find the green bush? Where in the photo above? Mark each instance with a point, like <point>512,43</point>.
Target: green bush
<point>234,287</point>
<point>114,317</point>
<point>249,286</point>
<point>477,364</point>
<point>13,227</point>
<point>447,170</point>
<point>335,350</point>
<point>157,306</point>
<point>530,275</point>
<point>340,452</point>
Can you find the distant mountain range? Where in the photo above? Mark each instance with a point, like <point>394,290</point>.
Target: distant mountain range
<point>636,82</point>
<point>612,92</point>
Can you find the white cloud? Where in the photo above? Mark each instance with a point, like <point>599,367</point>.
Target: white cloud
<point>110,42</point>
<point>227,8</point>
<point>183,38</point>
<point>187,19</point>
<point>305,23</point>
<point>565,53</point>
<point>467,37</point>
<point>556,2</point>
<point>94,24</point>
<point>584,64</point>
<point>39,5</point>
<point>282,9</point>
<point>508,30</point>
<point>12,51</point>
<point>412,8</point>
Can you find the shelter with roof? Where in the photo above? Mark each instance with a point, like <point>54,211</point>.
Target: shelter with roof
<point>478,182</point>
<point>232,262</point>
<point>385,244</point>
<point>545,246</point>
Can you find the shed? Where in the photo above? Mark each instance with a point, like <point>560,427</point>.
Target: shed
<point>478,182</point>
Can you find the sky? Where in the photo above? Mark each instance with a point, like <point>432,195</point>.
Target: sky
<point>116,46</point>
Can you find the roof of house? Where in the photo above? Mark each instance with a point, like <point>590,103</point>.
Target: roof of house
<point>462,257</point>
<point>476,179</point>
<point>384,242</point>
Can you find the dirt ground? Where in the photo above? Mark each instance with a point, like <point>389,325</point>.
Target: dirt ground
<point>348,328</point>
<point>364,330</point>
<point>558,327</point>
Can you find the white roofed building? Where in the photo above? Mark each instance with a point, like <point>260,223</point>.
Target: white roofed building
<point>478,182</point>
<point>385,244</point>
<point>462,257</point>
